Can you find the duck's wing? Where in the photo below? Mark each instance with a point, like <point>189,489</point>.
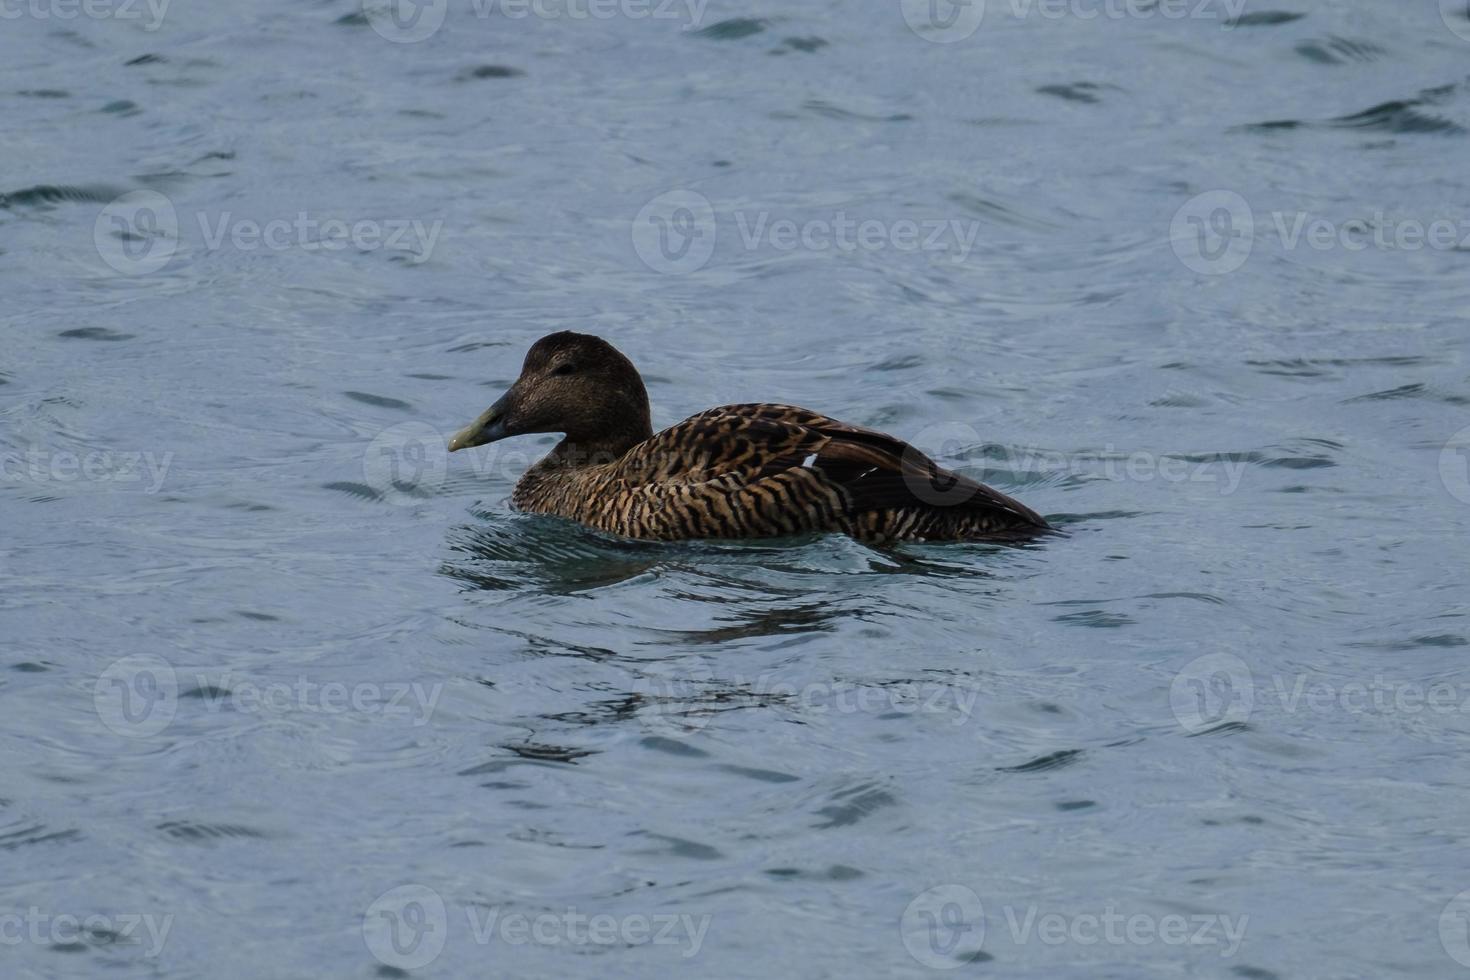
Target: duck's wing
<point>769,444</point>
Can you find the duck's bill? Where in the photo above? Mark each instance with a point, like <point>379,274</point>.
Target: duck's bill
<point>486,429</point>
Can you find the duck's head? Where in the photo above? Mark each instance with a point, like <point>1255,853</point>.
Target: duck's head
<point>573,383</point>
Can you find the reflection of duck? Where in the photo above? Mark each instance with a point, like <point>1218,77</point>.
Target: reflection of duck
<point>738,471</point>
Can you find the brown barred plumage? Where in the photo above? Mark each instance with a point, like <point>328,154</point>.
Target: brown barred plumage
<point>737,471</point>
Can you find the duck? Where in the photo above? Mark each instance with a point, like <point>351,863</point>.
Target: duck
<point>757,470</point>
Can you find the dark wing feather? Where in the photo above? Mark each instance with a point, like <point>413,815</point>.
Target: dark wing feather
<point>874,470</point>
<point>716,444</point>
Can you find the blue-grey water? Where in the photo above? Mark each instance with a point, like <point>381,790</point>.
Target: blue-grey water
<point>288,692</point>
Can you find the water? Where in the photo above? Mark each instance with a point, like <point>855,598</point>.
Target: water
<point>288,693</point>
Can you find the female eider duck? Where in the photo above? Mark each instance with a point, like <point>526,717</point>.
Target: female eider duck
<point>737,471</point>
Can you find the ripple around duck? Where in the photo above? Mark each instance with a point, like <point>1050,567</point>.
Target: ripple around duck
<point>514,552</point>
<point>1399,116</point>
<point>200,832</point>
<point>95,333</point>
<point>31,834</point>
<point>733,29</point>
<point>1085,92</point>
<point>1060,759</point>
<point>518,551</point>
<point>1339,50</point>
<point>765,622</point>
<point>42,195</point>
<point>829,110</point>
<point>1265,18</point>
<point>378,401</point>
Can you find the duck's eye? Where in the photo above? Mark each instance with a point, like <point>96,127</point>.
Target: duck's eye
<point>565,369</point>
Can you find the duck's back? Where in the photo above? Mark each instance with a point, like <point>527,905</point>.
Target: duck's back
<point>763,470</point>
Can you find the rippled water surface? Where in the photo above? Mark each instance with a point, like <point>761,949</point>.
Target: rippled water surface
<point>287,692</point>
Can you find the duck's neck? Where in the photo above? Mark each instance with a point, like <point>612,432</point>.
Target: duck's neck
<point>579,452</point>
<point>551,484</point>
